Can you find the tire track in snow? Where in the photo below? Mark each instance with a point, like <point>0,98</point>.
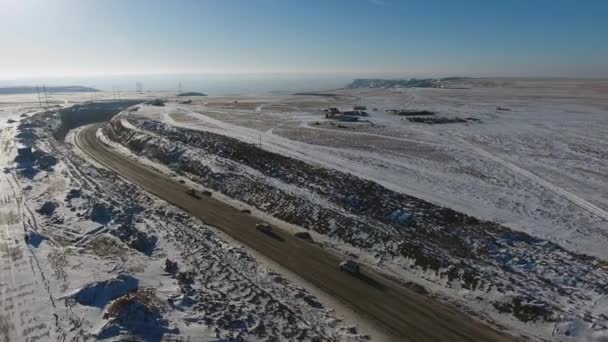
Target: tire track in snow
<point>581,202</point>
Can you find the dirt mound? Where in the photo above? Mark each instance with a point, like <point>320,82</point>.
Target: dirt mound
<point>156,102</point>
<point>99,294</point>
<point>137,314</point>
<point>48,208</point>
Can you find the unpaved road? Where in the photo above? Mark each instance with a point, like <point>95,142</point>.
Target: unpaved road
<point>405,315</point>
<point>581,202</point>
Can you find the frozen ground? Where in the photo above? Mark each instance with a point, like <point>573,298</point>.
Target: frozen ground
<point>84,256</point>
<point>77,241</point>
<point>535,165</point>
<point>538,167</point>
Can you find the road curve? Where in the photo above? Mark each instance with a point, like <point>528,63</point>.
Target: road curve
<point>402,313</point>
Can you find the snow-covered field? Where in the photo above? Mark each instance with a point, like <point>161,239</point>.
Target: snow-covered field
<point>86,256</point>
<point>536,165</point>
<point>77,240</point>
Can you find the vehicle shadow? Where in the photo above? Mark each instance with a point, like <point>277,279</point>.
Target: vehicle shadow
<point>274,236</point>
<point>369,281</point>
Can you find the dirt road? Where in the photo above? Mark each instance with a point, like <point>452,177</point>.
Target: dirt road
<point>404,314</point>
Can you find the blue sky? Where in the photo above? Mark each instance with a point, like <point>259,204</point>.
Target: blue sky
<point>347,37</point>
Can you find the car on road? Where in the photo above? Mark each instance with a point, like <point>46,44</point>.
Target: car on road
<point>350,266</point>
<point>264,228</point>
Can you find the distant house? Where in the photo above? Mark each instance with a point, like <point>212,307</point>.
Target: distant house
<point>333,110</point>
<point>347,118</point>
<point>355,113</point>
<point>360,108</point>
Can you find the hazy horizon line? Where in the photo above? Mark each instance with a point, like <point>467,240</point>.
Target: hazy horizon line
<point>341,74</point>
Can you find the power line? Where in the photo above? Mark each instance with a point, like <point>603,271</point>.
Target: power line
<point>46,99</point>
<point>38,92</point>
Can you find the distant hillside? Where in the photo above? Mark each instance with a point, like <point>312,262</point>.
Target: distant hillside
<point>403,83</point>
<point>55,89</point>
<point>191,93</point>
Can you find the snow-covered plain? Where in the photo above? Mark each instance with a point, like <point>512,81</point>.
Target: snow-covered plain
<point>84,255</point>
<point>77,240</point>
<point>539,167</point>
<point>536,165</point>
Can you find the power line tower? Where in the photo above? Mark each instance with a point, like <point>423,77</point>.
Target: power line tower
<point>179,88</point>
<point>139,87</point>
<point>38,92</point>
<point>46,99</point>
<point>115,92</point>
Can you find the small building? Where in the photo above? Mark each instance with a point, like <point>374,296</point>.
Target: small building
<point>355,113</point>
<point>359,108</point>
<point>333,110</point>
<point>347,118</point>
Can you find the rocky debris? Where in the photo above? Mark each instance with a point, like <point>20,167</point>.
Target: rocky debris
<point>48,208</point>
<point>100,213</point>
<point>186,278</point>
<point>73,193</point>
<point>100,293</point>
<point>526,309</point>
<point>171,267</point>
<point>134,238</point>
